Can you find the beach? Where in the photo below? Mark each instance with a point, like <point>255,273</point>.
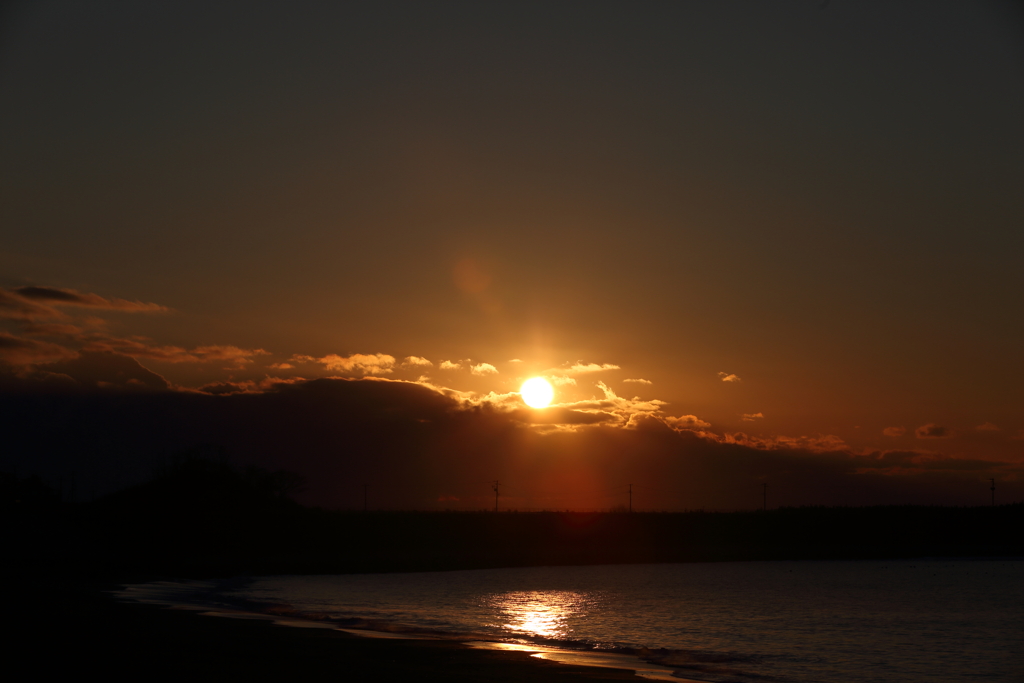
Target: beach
<point>63,566</point>
<point>73,624</point>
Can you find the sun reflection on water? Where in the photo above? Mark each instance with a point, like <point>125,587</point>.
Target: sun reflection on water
<point>547,614</point>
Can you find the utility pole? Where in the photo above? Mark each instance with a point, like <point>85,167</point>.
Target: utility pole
<point>993,489</point>
<point>765,501</point>
<point>495,495</point>
<point>630,497</point>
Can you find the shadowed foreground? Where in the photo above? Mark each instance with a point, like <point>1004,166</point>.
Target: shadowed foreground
<point>67,625</point>
<point>206,519</point>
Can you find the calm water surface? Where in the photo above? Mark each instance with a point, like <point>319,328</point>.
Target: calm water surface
<point>830,622</point>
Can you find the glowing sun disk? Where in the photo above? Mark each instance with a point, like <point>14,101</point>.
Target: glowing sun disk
<point>537,392</point>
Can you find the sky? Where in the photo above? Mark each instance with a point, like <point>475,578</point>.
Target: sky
<point>747,242</point>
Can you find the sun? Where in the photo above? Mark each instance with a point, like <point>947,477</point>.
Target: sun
<point>537,392</point>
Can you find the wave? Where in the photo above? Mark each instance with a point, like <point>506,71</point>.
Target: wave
<point>222,598</point>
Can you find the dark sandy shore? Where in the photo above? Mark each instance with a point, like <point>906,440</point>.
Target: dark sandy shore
<point>73,626</point>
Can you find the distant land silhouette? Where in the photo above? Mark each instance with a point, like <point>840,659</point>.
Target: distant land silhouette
<point>202,517</point>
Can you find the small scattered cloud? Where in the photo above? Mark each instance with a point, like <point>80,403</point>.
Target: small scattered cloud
<point>987,427</point>
<point>417,361</point>
<point>369,364</point>
<point>729,377</point>
<point>894,431</point>
<point>448,365</point>
<point>579,367</point>
<point>751,417</point>
<point>483,369</point>
<point>628,409</point>
<point>690,422</point>
<point>639,381</point>
<point>516,360</point>
<point>932,431</point>
<point>818,443</point>
<point>562,381</point>
<point>281,366</point>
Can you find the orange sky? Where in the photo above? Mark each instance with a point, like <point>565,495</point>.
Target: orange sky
<point>782,226</point>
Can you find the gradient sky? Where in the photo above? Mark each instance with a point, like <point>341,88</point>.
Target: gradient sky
<point>787,225</point>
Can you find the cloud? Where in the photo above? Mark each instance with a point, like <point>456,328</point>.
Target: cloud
<point>53,330</point>
<point>18,351</point>
<point>369,364</point>
<point>141,347</point>
<point>515,360</point>
<point>229,353</point>
<point>639,381</point>
<point>612,410</point>
<point>15,307</point>
<point>101,370</point>
<point>562,381</point>
<point>894,431</point>
<point>483,369</point>
<point>686,422</point>
<point>448,365</point>
<point>627,409</point>
<point>247,386</point>
<point>750,417</point>
<point>932,431</point>
<point>818,443</point>
<point>987,427</point>
<point>281,366</point>
<point>563,416</point>
<point>579,367</point>
<point>417,361</point>
<point>53,296</point>
<point>727,377</point>
<point>427,443</point>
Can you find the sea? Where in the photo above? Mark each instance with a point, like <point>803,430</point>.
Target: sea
<point>917,621</point>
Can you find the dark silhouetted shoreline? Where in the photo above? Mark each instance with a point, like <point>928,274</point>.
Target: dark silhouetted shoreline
<point>215,521</point>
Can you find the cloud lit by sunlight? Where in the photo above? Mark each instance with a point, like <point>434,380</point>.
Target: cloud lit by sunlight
<point>579,367</point>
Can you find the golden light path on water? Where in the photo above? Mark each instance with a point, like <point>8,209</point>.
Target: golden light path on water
<point>540,613</point>
<point>548,614</point>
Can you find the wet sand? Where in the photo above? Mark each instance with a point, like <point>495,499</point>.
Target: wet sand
<point>76,627</point>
